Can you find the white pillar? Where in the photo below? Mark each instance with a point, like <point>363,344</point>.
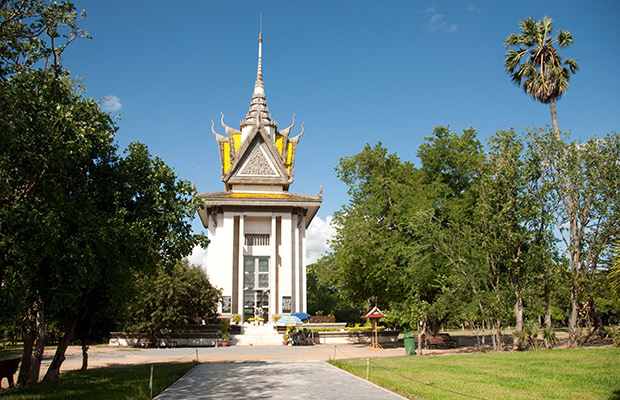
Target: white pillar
<point>302,265</point>
<point>295,265</point>
<point>286,273</point>
<point>241,262</point>
<point>273,261</point>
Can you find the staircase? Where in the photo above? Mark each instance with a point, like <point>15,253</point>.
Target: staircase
<point>259,335</point>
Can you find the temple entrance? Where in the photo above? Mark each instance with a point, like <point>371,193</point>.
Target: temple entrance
<point>256,288</point>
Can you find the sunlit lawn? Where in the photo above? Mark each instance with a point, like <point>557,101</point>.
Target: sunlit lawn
<point>553,374</point>
<point>131,382</point>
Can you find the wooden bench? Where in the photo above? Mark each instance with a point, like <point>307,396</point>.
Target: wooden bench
<point>8,367</point>
<point>439,341</point>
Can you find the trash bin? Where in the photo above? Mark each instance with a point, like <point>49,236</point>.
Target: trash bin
<point>409,340</point>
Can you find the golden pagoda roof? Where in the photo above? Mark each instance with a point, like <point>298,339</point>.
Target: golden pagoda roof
<point>273,163</point>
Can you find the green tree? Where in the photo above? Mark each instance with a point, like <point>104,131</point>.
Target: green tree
<point>53,146</point>
<point>513,226</point>
<point>583,182</point>
<point>72,211</point>
<point>34,34</point>
<point>536,65</point>
<point>614,274</point>
<point>173,297</point>
<point>450,170</point>
<point>325,299</point>
<point>385,246</point>
<point>370,246</point>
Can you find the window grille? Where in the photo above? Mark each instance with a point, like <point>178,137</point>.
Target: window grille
<point>257,240</point>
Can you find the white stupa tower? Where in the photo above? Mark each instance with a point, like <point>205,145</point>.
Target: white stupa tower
<point>257,228</point>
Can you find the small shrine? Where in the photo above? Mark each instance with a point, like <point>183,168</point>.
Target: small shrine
<point>374,315</point>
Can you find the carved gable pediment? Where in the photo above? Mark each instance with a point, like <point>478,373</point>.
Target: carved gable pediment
<point>258,162</point>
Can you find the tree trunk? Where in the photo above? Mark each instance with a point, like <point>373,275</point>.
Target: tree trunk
<point>554,118</point>
<point>433,326</point>
<point>54,369</point>
<point>499,342</point>
<point>39,347</point>
<point>421,334</point>
<point>28,332</point>
<point>573,319</point>
<point>596,316</point>
<point>598,323</point>
<point>547,304</point>
<point>519,319</point>
<point>84,356</point>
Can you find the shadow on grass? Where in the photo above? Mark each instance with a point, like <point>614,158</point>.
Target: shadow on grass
<point>129,382</point>
<point>615,395</point>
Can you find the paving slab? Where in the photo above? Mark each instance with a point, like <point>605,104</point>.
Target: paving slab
<point>273,379</point>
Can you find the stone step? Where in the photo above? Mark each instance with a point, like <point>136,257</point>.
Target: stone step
<point>257,335</point>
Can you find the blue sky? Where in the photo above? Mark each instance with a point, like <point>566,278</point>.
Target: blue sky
<point>355,71</point>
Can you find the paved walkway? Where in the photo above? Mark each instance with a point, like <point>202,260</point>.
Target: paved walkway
<point>273,380</point>
<point>107,356</point>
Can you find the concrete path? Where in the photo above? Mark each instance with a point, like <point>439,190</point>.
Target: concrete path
<point>273,380</point>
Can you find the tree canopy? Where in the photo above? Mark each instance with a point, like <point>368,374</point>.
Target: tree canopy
<point>470,237</point>
<point>171,298</point>
<point>78,220</point>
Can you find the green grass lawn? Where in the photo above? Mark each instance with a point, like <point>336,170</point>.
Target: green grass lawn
<point>552,374</point>
<point>131,382</point>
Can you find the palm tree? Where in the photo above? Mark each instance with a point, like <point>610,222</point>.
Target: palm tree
<point>536,66</point>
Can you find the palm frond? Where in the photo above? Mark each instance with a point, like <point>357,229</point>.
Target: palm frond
<point>512,59</point>
<point>536,66</point>
<point>565,39</point>
<point>572,64</point>
<point>513,40</point>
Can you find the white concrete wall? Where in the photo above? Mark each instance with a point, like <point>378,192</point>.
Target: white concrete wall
<point>257,224</point>
<point>291,276</point>
<point>285,278</point>
<point>219,266</point>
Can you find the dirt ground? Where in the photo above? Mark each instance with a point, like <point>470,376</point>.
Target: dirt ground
<point>107,356</point>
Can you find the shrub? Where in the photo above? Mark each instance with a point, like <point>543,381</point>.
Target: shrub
<point>549,336</point>
<point>614,334</point>
<point>322,319</point>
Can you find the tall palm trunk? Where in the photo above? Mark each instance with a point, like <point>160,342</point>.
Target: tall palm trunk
<point>554,118</point>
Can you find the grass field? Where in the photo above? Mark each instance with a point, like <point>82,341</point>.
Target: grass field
<point>131,382</point>
<point>552,374</point>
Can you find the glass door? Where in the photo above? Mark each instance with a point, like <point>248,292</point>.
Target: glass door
<point>256,288</point>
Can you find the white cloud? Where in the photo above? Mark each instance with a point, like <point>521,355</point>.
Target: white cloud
<point>198,257</point>
<point>111,104</point>
<point>436,20</point>
<point>317,236</point>
<point>437,23</point>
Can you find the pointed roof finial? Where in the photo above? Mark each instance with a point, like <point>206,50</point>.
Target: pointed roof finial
<point>259,71</point>
<point>258,115</point>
